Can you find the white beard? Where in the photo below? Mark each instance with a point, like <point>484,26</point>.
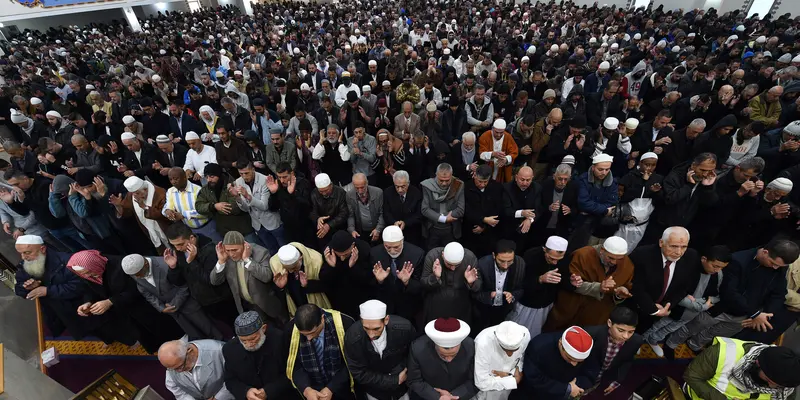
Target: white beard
<point>257,346</point>
<point>36,267</point>
<point>394,256</point>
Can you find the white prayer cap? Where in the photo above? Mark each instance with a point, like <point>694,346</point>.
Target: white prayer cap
<point>740,28</point>
<point>631,123</point>
<point>132,264</point>
<point>392,234</point>
<point>36,101</point>
<point>782,184</point>
<point>786,58</point>
<point>431,107</point>
<point>446,51</point>
<point>296,50</point>
<point>556,243</point>
<point>604,66</point>
<point>691,34</point>
<point>372,62</point>
<point>162,139</point>
<point>237,72</point>
<point>616,245</point>
<point>661,43</point>
<point>525,58</point>
<point>304,87</point>
<point>90,87</point>
<point>372,310</point>
<point>127,120</point>
<point>761,39</point>
<point>127,136</point>
<point>191,135</point>
<point>614,45</point>
<point>554,48</point>
<point>156,78</point>
<point>346,74</point>
<point>222,51</point>
<point>499,124</point>
<point>162,52</point>
<point>592,40</point>
<point>133,183</point>
<point>510,335</point>
<point>637,36</point>
<point>29,239</point>
<point>531,49</point>
<point>577,343</point>
<point>647,155</point>
<point>676,49</point>
<point>53,113</point>
<point>453,253</point>
<point>288,254</point>
<point>796,59</point>
<point>366,88</point>
<point>322,181</point>
<point>602,157</point>
<point>447,332</point>
<point>568,159</point>
<point>386,83</point>
<point>347,47</point>
<point>611,123</point>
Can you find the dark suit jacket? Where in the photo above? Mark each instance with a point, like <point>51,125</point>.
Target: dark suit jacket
<point>620,364</point>
<point>291,101</point>
<point>409,211</point>
<point>642,140</point>
<point>648,280</point>
<point>318,77</point>
<point>145,167</point>
<point>264,368</point>
<point>569,199</point>
<point>322,117</point>
<point>594,109</point>
<point>515,279</point>
<point>457,162</point>
<point>393,105</point>
<point>156,125</point>
<point>178,155</point>
<point>188,124</point>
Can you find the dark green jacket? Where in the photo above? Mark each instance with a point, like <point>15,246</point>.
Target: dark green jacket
<point>237,220</point>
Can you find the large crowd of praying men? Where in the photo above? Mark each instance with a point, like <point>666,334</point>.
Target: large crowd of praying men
<point>386,200</point>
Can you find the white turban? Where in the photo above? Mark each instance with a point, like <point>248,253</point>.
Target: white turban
<point>616,245</point>
<point>288,254</point>
<point>29,239</point>
<point>392,234</point>
<point>322,181</point>
<point>134,183</point>
<point>510,335</point>
<point>372,310</point>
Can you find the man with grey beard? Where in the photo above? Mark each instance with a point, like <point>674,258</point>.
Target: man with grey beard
<point>396,268</point>
<point>43,275</point>
<point>255,361</point>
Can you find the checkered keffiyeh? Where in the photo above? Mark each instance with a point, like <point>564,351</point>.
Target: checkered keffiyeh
<point>88,261</point>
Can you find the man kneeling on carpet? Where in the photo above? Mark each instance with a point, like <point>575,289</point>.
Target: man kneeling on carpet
<point>735,369</point>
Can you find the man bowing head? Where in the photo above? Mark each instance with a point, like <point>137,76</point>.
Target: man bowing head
<point>441,363</point>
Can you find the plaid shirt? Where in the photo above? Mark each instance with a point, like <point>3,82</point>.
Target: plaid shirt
<point>611,352</point>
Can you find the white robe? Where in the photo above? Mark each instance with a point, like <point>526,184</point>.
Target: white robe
<point>489,356</point>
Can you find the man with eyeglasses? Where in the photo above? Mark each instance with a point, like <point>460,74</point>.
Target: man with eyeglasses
<point>195,370</point>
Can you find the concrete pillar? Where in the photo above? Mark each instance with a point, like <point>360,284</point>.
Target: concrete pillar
<point>247,6</point>
<point>132,20</point>
<point>712,3</point>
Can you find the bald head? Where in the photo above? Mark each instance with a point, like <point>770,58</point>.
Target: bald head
<point>524,177</point>
<point>739,73</point>
<point>555,116</point>
<point>172,355</point>
<point>774,94</point>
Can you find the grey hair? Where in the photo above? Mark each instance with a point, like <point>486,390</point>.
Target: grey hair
<point>468,135</point>
<point>227,100</point>
<point>409,103</point>
<point>11,145</point>
<point>359,176</point>
<point>755,163</point>
<point>179,351</point>
<point>325,81</point>
<point>478,86</point>
<point>333,126</point>
<point>752,86</point>
<point>444,168</point>
<point>563,169</point>
<point>78,138</point>
<point>17,98</point>
<point>400,175</point>
<point>788,70</point>
<point>698,123</point>
<point>674,230</point>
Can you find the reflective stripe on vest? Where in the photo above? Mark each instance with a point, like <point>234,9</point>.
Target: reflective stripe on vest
<point>730,352</point>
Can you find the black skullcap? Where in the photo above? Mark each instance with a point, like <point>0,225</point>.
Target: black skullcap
<point>213,169</point>
<point>352,96</point>
<point>579,122</point>
<point>258,102</point>
<point>305,125</point>
<point>780,365</point>
<point>247,323</point>
<point>758,127</point>
<point>85,177</point>
<point>341,241</point>
<point>146,102</point>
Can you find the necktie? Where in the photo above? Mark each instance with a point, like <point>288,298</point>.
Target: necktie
<point>171,160</point>
<point>667,267</point>
<point>394,267</point>
<point>319,350</point>
<point>403,199</point>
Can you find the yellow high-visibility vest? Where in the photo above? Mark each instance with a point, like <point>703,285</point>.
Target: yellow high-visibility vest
<point>730,351</point>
